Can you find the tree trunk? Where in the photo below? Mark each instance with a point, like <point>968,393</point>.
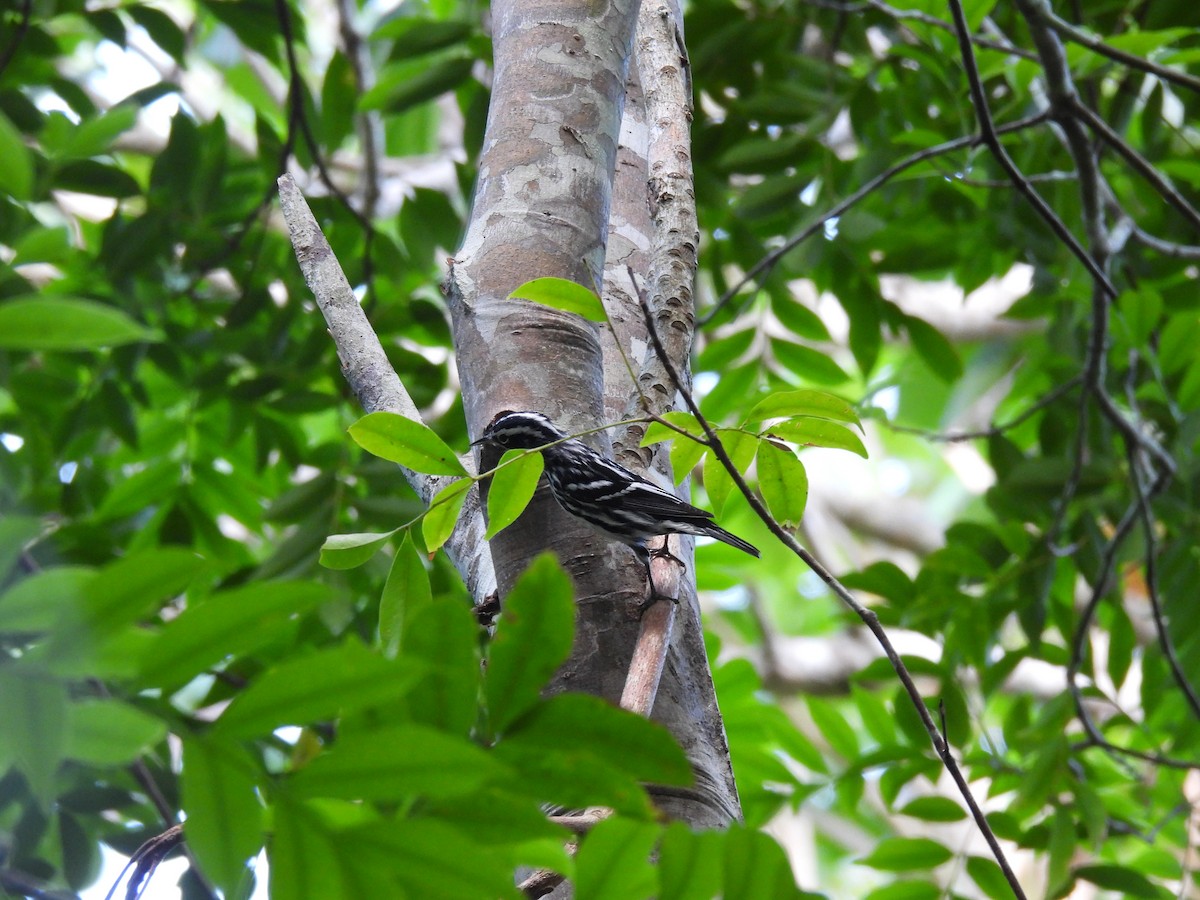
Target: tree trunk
<point>547,203</point>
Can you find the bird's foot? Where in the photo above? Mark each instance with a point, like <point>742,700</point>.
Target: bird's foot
<point>664,552</point>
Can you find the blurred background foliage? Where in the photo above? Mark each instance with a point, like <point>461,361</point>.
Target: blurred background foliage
<point>173,451</point>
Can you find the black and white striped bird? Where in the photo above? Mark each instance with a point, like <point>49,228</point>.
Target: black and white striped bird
<point>619,504</point>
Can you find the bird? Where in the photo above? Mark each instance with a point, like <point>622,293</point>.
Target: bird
<point>610,498</point>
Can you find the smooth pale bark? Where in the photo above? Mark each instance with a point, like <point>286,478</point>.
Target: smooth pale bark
<point>542,208</point>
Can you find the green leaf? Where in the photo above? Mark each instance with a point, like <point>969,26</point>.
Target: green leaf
<point>657,431</point>
<point>906,854</point>
<point>877,718</point>
<point>429,858</point>
<point>16,175</point>
<point>403,441</point>
<point>808,363</point>
<point>613,862</point>
<point>445,637</point>
<point>907,890</point>
<point>833,727</point>
<point>225,625</point>
<point>38,602</point>
<point>90,176</point>
<point>533,638</point>
<point>818,433</point>
<point>94,135</point>
<point>689,863</point>
<point>1126,881</point>
<point>119,594</point>
<point>224,825</point>
<point>740,448</point>
<point>988,875</point>
<point>402,85</point>
<point>322,685</point>
<point>783,482</point>
<point>938,353</point>
<point>794,404</point>
<point>312,857</point>
<point>348,551</point>
<point>15,533</point>
<point>414,35</point>
<point>407,590</point>
<point>755,866</point>
<point>397,762</point>
<point>558,293</point>
<point>512,488</point>
<point>641,748</point>
<point>34,737</point>
<point>66,323</point>
<point>439,521</point>
<point>934,809</point>
<point>106,732</point>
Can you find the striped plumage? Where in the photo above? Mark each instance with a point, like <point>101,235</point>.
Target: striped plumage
<point>606,495</point>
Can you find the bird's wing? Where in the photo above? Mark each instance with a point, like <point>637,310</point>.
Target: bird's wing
<point>647,497</point>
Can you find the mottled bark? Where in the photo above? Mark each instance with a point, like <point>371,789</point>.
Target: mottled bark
<point>542,208</point>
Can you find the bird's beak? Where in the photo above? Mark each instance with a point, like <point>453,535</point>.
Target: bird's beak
<point>480,442</point>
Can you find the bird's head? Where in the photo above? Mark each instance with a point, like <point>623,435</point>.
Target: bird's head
<point>519,431</point>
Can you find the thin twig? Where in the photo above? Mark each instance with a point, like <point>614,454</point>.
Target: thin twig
<point>995,430</point>
<point>990,136</point>
<point>869,618</point>
<point>1138,163</point>
<point>769,261</point>
<point>1081,37</point>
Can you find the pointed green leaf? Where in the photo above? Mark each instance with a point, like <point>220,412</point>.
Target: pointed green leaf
<point>224,825</point>
<point>401,440</point>
<point>429,858</point>
<point>311,858</point>
<point>319,686</point>
<point>512,488</point>
<point>16,175</point>
<point>397,762</point>
<point>38,602</point>
<point>783,482</point>
<point>641,748</point>
<point>818,433</point>
<point>689,863</point>
<point>558,293</point>
<point>106,732</point>
<point>756,866</point>
<point>932,346</point>
<point>226,624</point>
<point>833,727</point>
<point>906,854</point>
<point>407,589</point>
<point>34,736</point>
<point>613,863</point>
<point>533,638</point>
<point>439,521</point>
<point>741,448</point>
<point>657,431</point>
<point>66,323</point>
<point>348,551</point>
<point>445,637</point>
<point>934,809</point>
<point>789,404</point>
<point>989,876</point>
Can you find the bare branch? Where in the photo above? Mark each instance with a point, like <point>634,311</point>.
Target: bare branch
<point>1081,37</point>
<point>374,381</point>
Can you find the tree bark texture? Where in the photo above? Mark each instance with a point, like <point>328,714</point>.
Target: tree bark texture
<point>565,177</point>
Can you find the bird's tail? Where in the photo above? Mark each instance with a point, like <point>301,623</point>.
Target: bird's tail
<point>731,539</point>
